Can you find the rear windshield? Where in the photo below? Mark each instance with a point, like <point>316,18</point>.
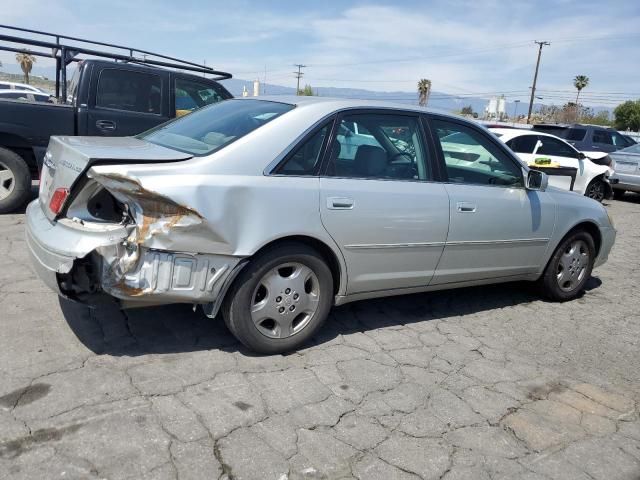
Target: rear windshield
<point>216,126</point>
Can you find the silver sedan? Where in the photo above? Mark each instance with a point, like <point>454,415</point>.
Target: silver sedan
<point>627,175</point>
<point>272,210</point>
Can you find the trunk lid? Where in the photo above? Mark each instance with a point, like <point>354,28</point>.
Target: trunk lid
<point>68,158</point>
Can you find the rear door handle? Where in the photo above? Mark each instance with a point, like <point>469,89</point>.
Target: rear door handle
<point>107,125</point>
<point>466,207</point>
<point>339,203</point>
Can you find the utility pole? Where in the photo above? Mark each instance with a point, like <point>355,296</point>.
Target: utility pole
<point>535,78</point>
<point>298,76</point>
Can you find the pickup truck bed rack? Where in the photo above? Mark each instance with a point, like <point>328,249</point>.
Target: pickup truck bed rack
<point>65,50</point>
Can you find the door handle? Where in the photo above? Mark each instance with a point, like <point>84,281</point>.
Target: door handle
<point>107,125</point>
<point>339,203</point>
<point>466,207</point>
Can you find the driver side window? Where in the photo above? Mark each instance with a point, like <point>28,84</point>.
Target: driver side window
<point>379,146</point>
<point>471,157</point>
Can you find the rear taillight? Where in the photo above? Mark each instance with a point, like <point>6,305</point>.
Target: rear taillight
<point>57,199</point>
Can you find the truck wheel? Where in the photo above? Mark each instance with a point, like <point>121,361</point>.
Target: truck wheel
<point>280,299</point>
<point>15,181</point>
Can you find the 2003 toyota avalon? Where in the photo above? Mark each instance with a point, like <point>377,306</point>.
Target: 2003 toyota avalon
<point>272,210</point>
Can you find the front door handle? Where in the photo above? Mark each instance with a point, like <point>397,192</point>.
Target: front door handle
<point>339,203</point>
<point>106,125</point>
<point>466,207</point>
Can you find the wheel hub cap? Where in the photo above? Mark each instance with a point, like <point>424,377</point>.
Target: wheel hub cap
<point>285,300</point>
<point>7,181</point>
<point>572,266</point>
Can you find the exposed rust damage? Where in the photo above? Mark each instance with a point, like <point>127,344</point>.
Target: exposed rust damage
<point>153,260</point>
<point>154,213</point>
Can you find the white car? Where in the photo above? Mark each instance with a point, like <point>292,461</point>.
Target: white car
<point>592,179</point>
<point>19,86</point>
<point>26,95</point>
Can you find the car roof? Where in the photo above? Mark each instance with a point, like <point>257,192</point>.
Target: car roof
<point>8,90</point>
<point>339,103</point>
<point>516,132</point>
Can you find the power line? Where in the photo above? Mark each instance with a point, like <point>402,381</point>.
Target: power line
<point>298,75</point>
<point>535,78</point>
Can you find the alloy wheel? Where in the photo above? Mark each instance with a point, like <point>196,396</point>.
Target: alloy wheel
<point>285,300</point>
<point>7,181</point>
<point>572,265</point>
<point>596,191</point>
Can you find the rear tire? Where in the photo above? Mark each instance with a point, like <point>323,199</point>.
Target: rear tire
<point>280,299</point>
<point>569,268</point>
<point>15,181</point>
<point>618,194</point>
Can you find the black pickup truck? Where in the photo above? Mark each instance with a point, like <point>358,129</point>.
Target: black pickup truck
<point>104,98</point>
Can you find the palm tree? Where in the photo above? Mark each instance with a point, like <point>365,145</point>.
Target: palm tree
<point>424,90</point>
<point>26,61</point>
<point>580,82</point>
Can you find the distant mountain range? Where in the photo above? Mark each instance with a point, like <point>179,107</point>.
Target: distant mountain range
<point>438,100</point>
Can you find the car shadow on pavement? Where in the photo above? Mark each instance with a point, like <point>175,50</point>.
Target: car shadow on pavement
<point>106,329</point>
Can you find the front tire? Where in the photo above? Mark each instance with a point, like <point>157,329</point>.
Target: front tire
<point>15,181</point>
<point>569,268</point>
<point>280,300</point>
<point>597,190</point>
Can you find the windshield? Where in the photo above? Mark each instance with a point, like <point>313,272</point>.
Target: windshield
<point>631,149</point>
<point>216,126</point>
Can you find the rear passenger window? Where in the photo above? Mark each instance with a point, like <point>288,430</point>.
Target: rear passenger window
<point>130,91</point>
<point>523,144</point>
<point>375,146</point>
<point>601,136</point>
<point>191,95</point>
<point>576,134</point>
<point>551,146</point>
<point>305,158</point>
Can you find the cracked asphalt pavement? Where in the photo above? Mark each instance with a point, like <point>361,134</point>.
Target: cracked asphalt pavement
<point>483,383</point>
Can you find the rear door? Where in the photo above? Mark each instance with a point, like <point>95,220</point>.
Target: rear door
<point>127,101</point>
<point>379,202</point>
<point>498,229</point>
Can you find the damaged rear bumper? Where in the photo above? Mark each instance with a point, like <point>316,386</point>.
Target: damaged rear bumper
<point>76,258</point>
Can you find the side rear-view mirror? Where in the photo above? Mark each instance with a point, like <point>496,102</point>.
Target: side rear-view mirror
<point>537,180</point>
<point>581,156</point>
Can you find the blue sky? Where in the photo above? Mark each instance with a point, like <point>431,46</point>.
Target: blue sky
<point>463,46</point>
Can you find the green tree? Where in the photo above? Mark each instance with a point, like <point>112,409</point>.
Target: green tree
<point>306,91</point>
<point>627,115</point>
<point>26,61</point>
<point>468,110</point>
<point>424,90</point>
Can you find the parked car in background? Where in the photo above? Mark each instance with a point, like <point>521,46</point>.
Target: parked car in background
<point>105,98</point>
<point>591,179</point>
<point>275,209</point>
<point>4,85</point>
<point>587,138</point>
<point>27,96</point>
<point>627,172</point>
